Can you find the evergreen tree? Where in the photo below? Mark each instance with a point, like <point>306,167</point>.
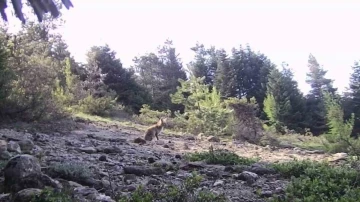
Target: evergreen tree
<point>6,75</point>
<point>225,75</point>
<point>284,102</point>
<point>160,74</point>
<point>316,111</point>
<point>204,64</point>
<point>355,96</point>
<point>251,73</point>
<point>106,67</point>
<point>171,71</point>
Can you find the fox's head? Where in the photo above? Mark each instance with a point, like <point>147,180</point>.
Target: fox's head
<point>162,122</point>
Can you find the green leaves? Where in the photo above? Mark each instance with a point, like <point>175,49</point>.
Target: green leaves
<point>206,112</point>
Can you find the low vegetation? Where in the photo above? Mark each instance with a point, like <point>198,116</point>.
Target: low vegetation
<point>73,171</point>
<point>186,192</point>
<point>219,156</point>
<point>318,181</point>
<point>50,195</point>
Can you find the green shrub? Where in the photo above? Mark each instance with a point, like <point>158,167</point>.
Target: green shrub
<point>186,192</point>
<point>148,116</point>
<point>312,181</point>
<point>219,156</point>
<point>96,106</point>
<point>205,111</point>
<point>49,195</point>
<point>74,171</point>
<point>339,136</point>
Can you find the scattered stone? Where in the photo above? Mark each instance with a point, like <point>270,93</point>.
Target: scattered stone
<point>102,158</point>
<point>338,157</point>
<point>129,178</point>
<point>35,180</point>
<point>109,149</point>
<point>20,167</point>
<point>26,195</point>
<point>5,197</point>
<point>164,164</point>
<point>266,194</point>
<point>13,146</point>
<point>140,141</point>
<point>90,194</point>
<point>247,176</point>
<point>153,182</point>
<point>88,150</point>
<point>143,170</point>
<point>5,155</point>
<point>3,145</point>
<point>218,183</point>
<point>26,146</point>
<point>151,160</point>
<point>213,139</point>
<point>192,165</point>
<point>128,188</point>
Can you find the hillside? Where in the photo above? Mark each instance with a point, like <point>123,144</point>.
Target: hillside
<point>100,159</point>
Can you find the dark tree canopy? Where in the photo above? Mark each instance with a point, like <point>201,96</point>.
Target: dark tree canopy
<point>40,7</point>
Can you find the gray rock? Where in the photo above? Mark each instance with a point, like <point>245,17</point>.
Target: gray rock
<point>165,165</point>
<point>143,170</point>
<point>19,167</point>
<point>88,150</point>
<point>218,183</point>
<point>35,180</point>
<point>26,195</point>
<point>102,158</point>
<point>139,141</point>
<point>91,194</point>
<point>13,146</point>
<point>5,155</point>
<point>247,176</point>
<point>266,194</point>
<point>5,197</point>
<point>213,139</point>
<point>3,145</point>
<point>26,145</point>
<point>109,149</point>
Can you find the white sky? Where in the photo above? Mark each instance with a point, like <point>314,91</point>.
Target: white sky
<point>283,30</point>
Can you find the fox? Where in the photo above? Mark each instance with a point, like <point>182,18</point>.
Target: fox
<point>155,130</point>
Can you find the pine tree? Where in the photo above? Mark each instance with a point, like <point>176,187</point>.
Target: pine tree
<point>107,68</point>
<point>316,111</point>
<point>355,96</point>
<point>171,71</point>
<point>204,64</point>
<point>251,73</point>
<point>284,102</point>
<point>225,75</point>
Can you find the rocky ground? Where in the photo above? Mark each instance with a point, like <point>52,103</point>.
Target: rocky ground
<point>116,164</point>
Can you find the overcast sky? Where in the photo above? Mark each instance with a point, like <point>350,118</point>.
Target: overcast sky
<point>283,30</point>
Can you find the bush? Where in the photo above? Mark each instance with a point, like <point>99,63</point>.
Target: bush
<point>247,127</point>
<point>339,136</point>
<point>148,116</point>
<point>186,192</point>
<point>96,106</point>
<point>49,195</point>
<point>219,156</point>
<point>73,171</point>
<point>205,111</point>
<point>312,181</point>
